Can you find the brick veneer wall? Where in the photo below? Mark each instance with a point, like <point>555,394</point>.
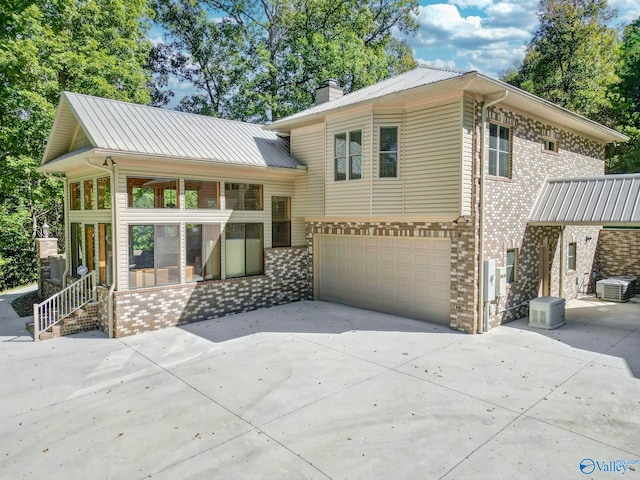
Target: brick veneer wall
<point>284,281</point>
<point>510,201</point>
<point>103,308</point>
<point>618,254</point>
<point>463,262</point>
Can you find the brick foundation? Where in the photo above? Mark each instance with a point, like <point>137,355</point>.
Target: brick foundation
<point>82,320</point>
<point>143,310</point>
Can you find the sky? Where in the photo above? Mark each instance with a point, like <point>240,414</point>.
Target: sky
<point>485,35</point>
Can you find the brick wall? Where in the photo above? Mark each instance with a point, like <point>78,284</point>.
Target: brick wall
<point>510,201</point>
<point>463,261</point>
<point>284,281</point>
<point>618,254</point>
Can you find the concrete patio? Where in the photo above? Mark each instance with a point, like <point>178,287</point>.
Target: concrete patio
<point>318,390</point>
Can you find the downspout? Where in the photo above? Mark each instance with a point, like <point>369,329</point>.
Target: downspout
<point>66,228</point>
<point>560,280</point>
<point>114,244</point>
<point>483,320</point>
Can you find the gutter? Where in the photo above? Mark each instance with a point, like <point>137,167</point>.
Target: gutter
<point>114,238</point>
<point>483,320</point>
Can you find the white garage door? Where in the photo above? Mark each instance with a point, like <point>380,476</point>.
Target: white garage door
<point>404,276</point>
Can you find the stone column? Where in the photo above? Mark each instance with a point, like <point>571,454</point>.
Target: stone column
<point>46,247</point>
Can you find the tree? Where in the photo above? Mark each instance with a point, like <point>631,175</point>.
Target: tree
<point>277,52</point>
<point>625,94</point>
<point>95,46</point>
<point>572,56</point>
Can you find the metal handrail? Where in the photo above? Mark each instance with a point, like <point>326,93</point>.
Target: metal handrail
<point>64,303</point>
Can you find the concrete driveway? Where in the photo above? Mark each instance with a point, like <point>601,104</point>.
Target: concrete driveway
<point>318,390</point>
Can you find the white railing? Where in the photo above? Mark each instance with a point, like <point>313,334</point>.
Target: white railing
<point>63,303</point>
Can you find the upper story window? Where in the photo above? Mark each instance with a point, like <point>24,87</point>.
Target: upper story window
<point>347,155</point>
<point>499,150</point>
<point>104,192</point>
<point>201,194</point>
<point>75,198</point>
<point>388,167</point>
<point>152,192</point>
<point>550,140</point>
<point>242,196</point>
<point>88,194</point>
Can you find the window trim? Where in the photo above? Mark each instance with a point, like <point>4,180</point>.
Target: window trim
<point>156,194</point>
<point>498,151</point>
<point>516,255</point>
<point>348,156</point>
<point>545,144</point>
<point>226,250</point>
<point>244,209</point>
<point>75,202</point>
<point>286,222</point>
<point>397,151</point>
<point>572,260</point>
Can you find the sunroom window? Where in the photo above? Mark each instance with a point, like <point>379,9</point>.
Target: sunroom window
<point>244,247</point>
<point>152,192</point>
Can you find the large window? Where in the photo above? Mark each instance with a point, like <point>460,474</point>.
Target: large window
<point>201,194</point>
<point>89,239</point>
<point>512,264</point>
<point>242,196</point>
<point>74,196</point>
<point>105,253</point>
<point>76,248</point>
<point>203,252</point>
<point>152,192</point>
<point>388,167</point>
<point>88,194</point>
<point>104,192</point>
<point>280,221</point>
<point>347,155</point>
<point>153,255</point>
<point>499,150</point>
<point>571,256</point>
<point>244,247</point>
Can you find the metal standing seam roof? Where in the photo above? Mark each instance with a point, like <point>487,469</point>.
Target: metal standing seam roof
<point>128,127</point>
<point>413,78</point>
<point>602,200</point>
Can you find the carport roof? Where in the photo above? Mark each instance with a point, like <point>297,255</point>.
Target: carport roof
<point>609,200</point>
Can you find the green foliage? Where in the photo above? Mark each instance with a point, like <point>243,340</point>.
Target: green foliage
<point>625,94</point>
<point>571,58</point>
<point>95,46</point>
<point>264,60</point>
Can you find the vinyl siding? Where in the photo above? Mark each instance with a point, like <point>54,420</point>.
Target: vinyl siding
<point>307,146</point>
<point>432,159</point>
<point>387,192</point>
<point>468,121</point>
<point>349,197</point>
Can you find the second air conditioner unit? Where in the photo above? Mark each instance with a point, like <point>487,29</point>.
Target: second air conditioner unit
<point>616,289</point>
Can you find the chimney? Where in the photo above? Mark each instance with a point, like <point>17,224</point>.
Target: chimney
<point>330,90</point>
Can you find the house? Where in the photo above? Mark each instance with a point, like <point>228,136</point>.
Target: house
<point>409,196</point>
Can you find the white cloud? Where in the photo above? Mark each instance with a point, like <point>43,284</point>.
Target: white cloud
<point>491,39</point>
<point>628,10</point>
<point>470,3</point>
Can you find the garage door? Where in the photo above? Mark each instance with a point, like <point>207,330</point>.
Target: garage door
<point>404,276</point>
